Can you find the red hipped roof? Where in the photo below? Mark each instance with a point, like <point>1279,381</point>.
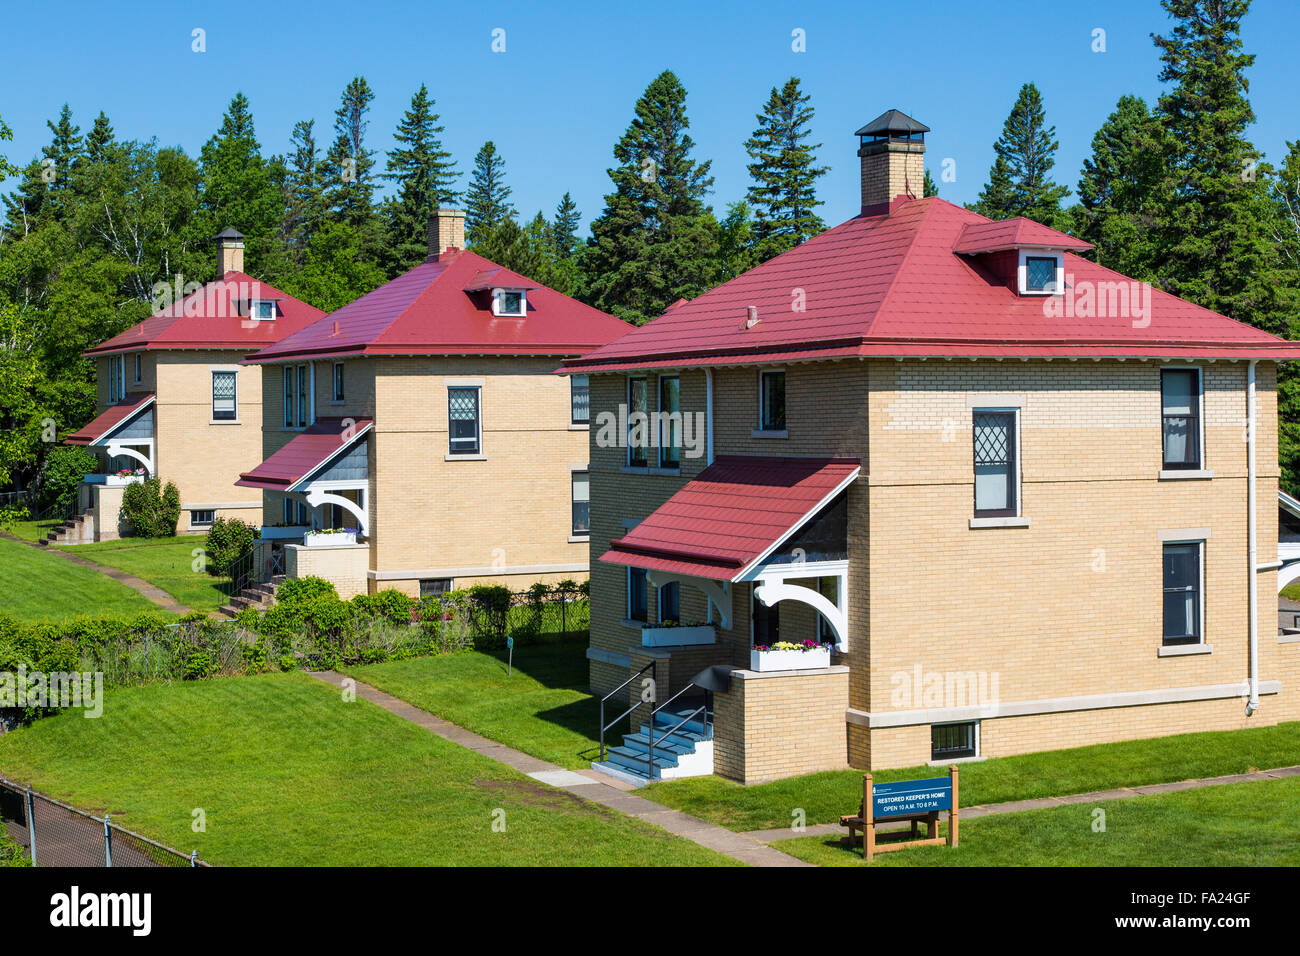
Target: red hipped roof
<point>306,452</point>
<point>215,317</point>
<point>442,308</point>
<point>109,419</point>
<point>895,284</point>
<point>733,513</point>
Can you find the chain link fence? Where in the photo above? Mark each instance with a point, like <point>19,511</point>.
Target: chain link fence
<point>52,833</point>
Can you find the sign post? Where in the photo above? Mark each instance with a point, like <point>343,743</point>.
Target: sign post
<point>914,801</point>
<point>510,661</point>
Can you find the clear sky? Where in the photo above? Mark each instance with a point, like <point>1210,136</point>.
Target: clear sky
<point>562,92</point>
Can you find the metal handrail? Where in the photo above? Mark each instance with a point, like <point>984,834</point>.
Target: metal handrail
<point>603,726</point>
<point>655,710</point>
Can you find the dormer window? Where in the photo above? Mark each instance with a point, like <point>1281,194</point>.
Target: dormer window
<point>1041,273</point>
<point>509,302</point>
<point>262,309</point>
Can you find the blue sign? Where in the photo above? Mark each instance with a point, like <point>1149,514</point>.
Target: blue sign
<point>910,796</point>
<point>510,643</point>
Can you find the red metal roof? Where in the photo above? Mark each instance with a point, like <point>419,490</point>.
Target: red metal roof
<point>891,285</point>
<point>109,419</point>
<point>1014,233</point>
<point>305,453</point>
<point>432,310</point>
<point>734,512</point>
<point>215,317</point>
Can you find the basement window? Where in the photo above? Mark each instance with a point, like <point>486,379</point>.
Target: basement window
<point>202,518</point>
<point>954,741</point>
<point>434,587</point>
<point>511,302</point>
<point>1041,273</point>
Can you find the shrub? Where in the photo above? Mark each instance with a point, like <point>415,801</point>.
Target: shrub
<point>151,509</point>
<point>65,467</point>
<point>11,852</point>
<point>489,606</point>
<point>299,590</point>
<point>228,540</point>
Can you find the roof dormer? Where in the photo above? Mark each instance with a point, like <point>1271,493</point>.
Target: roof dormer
<point>510,302</point>
<point>1026,256</point>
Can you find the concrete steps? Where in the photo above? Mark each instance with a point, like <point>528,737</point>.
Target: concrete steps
<point>255,595</point>
<point>686,752</point>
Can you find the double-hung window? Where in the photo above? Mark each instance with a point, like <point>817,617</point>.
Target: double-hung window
<point>995,463</point>
<point>463,425</point>
<point>638,424</point>
<point>302,396</point>
<point>288,397</point>
<point>579,399</point>
<point>1180,406</point>
<point>637,596</point>
<point>771,401</point>
<point>223,397</point>
<point>137,368</point>
<point>295,396</point>
<point>581,494</point>
<point>670,421</point>
<point>338,381</point>
<point>1182,592</point>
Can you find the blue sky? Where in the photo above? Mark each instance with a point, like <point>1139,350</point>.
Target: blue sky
<point>562,92</point>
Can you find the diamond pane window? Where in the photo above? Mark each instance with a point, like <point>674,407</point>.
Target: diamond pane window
<point>1040,273</point>
<point>995,465</point>
<point>463,421</point>
<point>223,396</point>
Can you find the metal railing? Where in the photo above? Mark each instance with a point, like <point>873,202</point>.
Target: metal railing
<point>654,712</point>
<point>53,833</point>
<point>604,726</point>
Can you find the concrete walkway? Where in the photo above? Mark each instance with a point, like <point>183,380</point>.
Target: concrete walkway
<point>155,594</point>
<point>1040,803</point>
<point>587,784</point>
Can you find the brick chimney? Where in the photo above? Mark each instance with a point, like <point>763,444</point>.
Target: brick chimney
<point>892,151</point>
<point>446,232</point>
<point>230,252</point>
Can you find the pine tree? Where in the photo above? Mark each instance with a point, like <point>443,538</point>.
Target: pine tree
<point>930,187</point>
<point>656,240</point>
<point>1019,180</point>
<point>64,155</point>
<point>424,173</point>
<point>1123,188</point>
<point>564,228</point>
<point>737,251</point>
<point>99,137</point>
<point>349,166</point>
<point>304,200</point>
<point>783,194</point>
<point>487,201</point>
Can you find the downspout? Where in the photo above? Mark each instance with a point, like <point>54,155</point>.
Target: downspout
<point>708,415</point>
<point>1252,704</point>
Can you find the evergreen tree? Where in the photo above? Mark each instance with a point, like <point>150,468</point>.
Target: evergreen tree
<point>63,155</point>
<point>350,166</point>
<point>737,251</point>
<point>240,190</point>
<point>1286,196</point>
<point>99,137</point>
<point>304,193</point>
<point>1019,180</point>
<point>487,201</point>
<point>424,173</point>
<point>656,240</point>
<point>564,228</point>
<point>783,194</point>
<point>930,187</point>
<point>1123,189</point>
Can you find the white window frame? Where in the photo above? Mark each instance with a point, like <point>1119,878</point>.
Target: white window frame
<point>477,453</point>
<point>252,310</point>
<point>1017,489</point>
<point>936,761</point>
<point>214,372</point>
<point>202,524</point>
<point>761,430</point>
<point>1022,271</point>
<point>498,297</point>
<point>1202,468</point>
<point>627,438</point>
<point>574,533</point>
<point>573,382</point>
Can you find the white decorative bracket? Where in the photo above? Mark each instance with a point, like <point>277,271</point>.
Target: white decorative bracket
<point>715,591</point>
<point>316,498</point>
<point>772,589</point>
<point>116,450</point>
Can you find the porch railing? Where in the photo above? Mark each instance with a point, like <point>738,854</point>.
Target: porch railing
<point>604,726</point>
<point>654,712</point>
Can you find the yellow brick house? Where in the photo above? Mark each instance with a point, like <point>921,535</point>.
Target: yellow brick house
<point>931,488</point>
<point>175,401</point>
<point>417,439</point>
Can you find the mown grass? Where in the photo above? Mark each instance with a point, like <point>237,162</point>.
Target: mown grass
<point>38,586</point>
<point>824,796</point>
<point>286,772</point>
<point>1242,824</point>
<point>166,563</point>
<point>32,530</point>
<point>543,708</point>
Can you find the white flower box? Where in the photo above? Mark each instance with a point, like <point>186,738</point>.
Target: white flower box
<point>790,660</point>
<point>676,636</point>
<point>114,481</point>
<point>315,539</point>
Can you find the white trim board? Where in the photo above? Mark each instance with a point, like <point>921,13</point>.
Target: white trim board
<point>1056,705</point>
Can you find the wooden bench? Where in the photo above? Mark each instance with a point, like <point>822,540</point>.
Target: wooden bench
<point>864,821</point>
<point>857,825</point>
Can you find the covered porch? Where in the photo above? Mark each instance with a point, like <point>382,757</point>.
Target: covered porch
<point>122,437</point>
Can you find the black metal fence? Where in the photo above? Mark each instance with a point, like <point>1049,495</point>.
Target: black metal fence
<point>52,833</point>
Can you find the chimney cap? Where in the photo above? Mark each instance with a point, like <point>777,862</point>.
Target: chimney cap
<point>892,121</point>
<point>229,233</point>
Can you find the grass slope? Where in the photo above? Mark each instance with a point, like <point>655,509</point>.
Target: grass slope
<point>166,563</point>
<point>543,708</point>
<point>37,586</point>
<point>1242,824</point>
<point>288,773</point>
<point>824,796</point>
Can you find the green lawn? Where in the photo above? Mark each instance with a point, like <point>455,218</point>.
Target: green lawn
<point>38,586</point>
<point>166,563</point>
<point>288,773</point>
<point>1242,824</point>
<point>32,530</point>
<point>824,796</point>
<point>543,708</point>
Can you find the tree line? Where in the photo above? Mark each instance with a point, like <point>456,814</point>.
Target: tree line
<point>1171,193</point>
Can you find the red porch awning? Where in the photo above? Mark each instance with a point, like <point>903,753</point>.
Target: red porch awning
<point>305,453</point>
<point>112,417</point>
